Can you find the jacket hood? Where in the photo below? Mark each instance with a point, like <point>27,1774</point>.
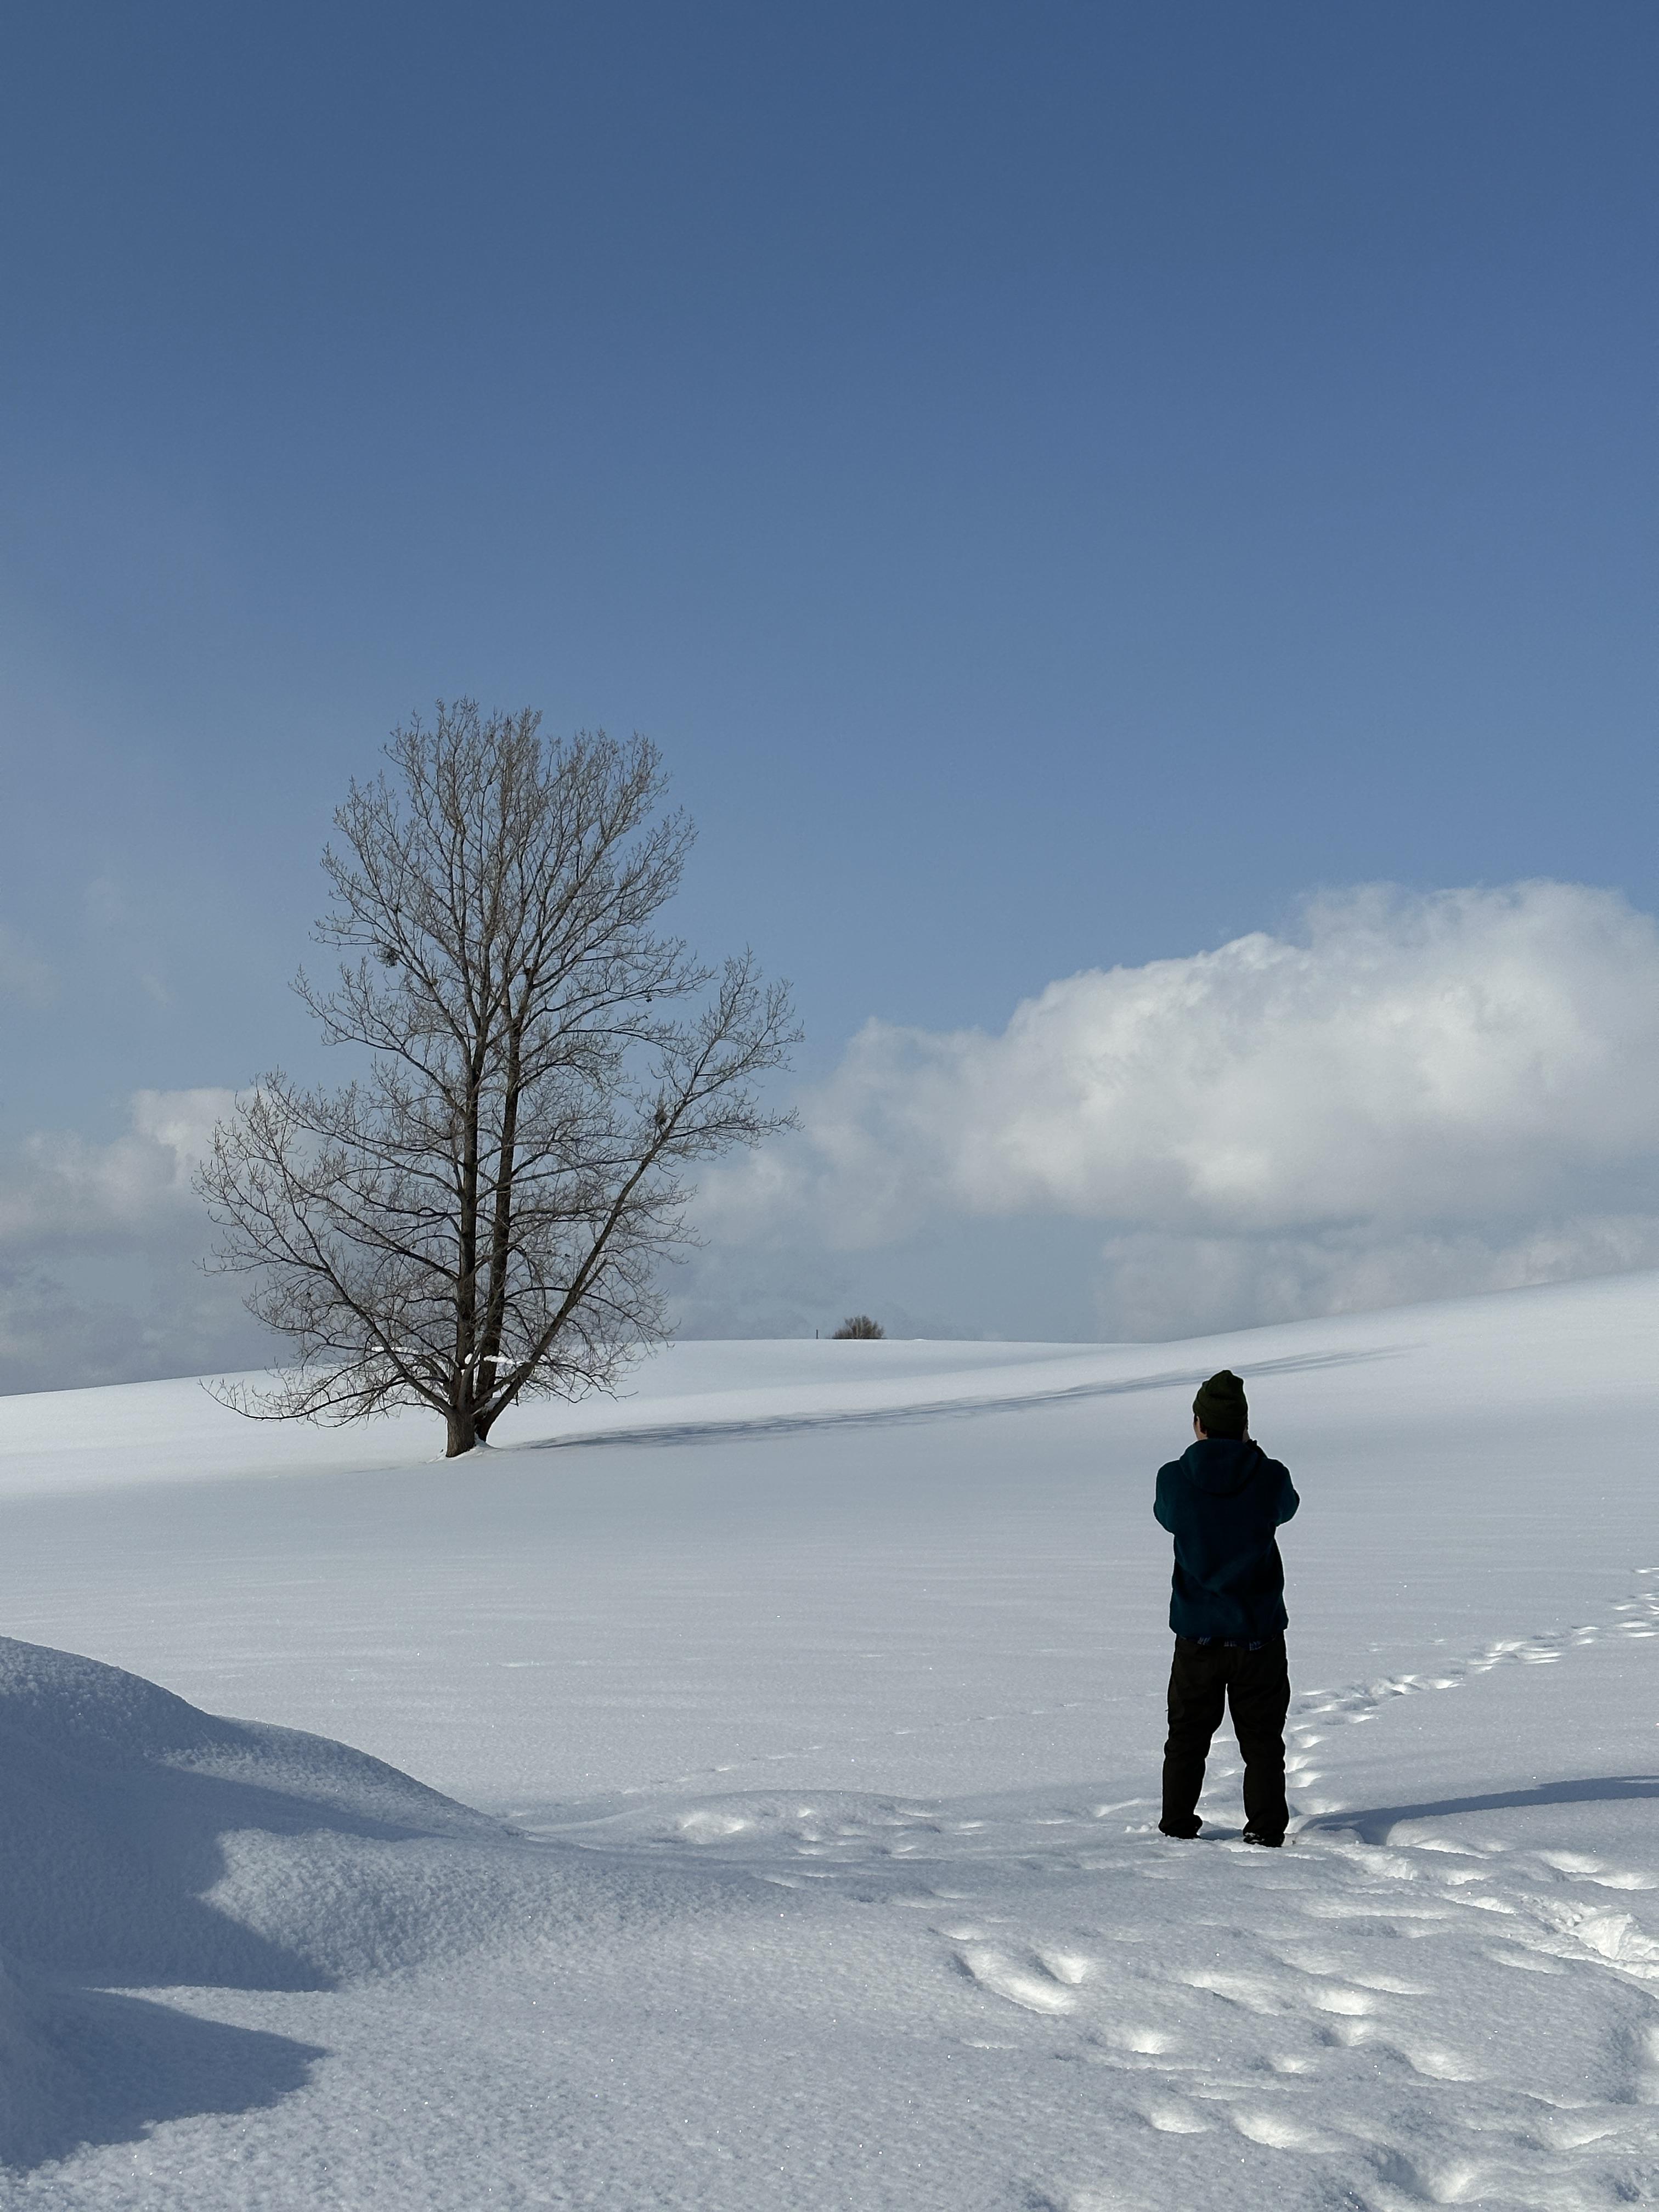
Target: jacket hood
<point>1222,1465</point>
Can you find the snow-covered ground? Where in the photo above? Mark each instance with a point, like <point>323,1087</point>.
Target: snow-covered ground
<point>784,1742</point>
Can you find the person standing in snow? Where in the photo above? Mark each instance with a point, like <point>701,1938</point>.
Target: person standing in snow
<point>1222,1500</point>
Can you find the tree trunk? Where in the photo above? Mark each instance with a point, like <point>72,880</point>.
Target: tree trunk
<point>463,1431</point>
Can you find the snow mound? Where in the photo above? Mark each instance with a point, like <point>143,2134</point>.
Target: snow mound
<point>79,2068</point>
<point>39,2078</point>
<point>149,1844</point>
<point>127,1812</point>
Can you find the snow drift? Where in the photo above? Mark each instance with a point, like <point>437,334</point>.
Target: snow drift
<point>149,1844</point>
<point>818,1692</point>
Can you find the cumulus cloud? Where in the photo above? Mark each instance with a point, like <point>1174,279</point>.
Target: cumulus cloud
<point>100,1247</point>
<point>1404,1097</point>
<point>1409,1096</point>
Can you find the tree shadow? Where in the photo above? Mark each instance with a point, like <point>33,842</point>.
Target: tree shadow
<point>962,1407</point>
<point>1373,1823</point>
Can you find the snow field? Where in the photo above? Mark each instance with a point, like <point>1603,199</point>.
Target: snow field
<point>812,1712</point>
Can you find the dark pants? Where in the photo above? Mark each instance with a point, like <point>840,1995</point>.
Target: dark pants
<point>1256,1685</point>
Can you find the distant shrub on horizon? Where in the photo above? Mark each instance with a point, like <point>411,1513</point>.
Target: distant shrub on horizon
<point>860,1325</point>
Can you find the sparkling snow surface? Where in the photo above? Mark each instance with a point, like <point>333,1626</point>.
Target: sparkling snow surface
<point>797,1723</point>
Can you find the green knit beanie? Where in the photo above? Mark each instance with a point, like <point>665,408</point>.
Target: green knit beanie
<point>1221,1406</point>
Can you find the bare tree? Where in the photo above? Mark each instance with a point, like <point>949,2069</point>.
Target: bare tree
<point>860,1325</point>
<point>480,1216</point>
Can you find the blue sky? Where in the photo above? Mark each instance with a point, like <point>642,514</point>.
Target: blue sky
<point>1060,483</point>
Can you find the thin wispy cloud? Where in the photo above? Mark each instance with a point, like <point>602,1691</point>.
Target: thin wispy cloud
<point>26,978</point>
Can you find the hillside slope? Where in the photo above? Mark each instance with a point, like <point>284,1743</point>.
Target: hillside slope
<point>808,1701</point>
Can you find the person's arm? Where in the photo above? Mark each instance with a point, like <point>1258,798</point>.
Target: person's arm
<point>1161,1502</point>
<point>1288,1500</point>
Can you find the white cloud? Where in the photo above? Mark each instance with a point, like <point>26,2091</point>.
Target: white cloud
<point>1412,1096</point>
<point>1405,1098</point>
<point>60,1192</point>
<point>100,1247</point>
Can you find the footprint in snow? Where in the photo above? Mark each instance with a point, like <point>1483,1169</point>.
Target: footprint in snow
<point>1037,1991</point>
<point>1173,2115</point>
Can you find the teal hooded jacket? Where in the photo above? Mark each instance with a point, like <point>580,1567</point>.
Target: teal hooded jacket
<point>1221,1501</point>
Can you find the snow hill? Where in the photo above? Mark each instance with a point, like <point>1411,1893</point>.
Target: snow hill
<point>787,1737</point>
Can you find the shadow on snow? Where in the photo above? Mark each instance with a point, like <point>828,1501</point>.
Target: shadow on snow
<point>119,1800</point>
<point>1373,1823</point>
<point>102,2068</point>
<point>939,1409</point>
